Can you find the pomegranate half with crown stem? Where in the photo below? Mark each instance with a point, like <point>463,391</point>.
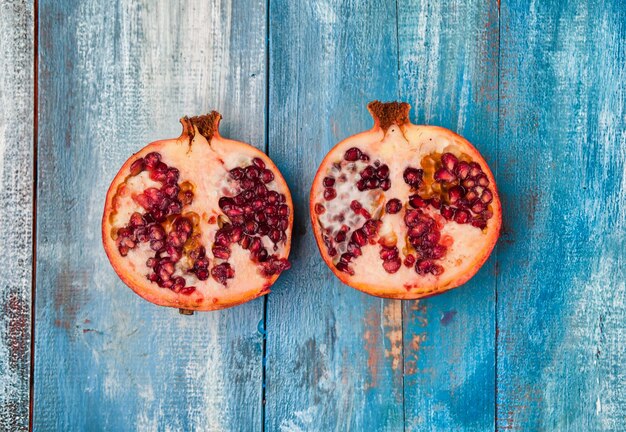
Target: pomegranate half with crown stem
<point>199,222</point>
<point>404,211</point>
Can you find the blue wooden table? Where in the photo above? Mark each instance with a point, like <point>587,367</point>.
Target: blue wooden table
<point>536,341</point>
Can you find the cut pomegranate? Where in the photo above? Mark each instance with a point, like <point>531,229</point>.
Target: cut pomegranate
<point>199,222</point>
<point>404,211</point>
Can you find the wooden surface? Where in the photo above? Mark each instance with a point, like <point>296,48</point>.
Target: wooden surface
<point>536,341</point>
<point>16,209</point>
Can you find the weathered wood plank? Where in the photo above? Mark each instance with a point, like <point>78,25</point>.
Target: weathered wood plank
<point>561,289</point>
<point>334,359</point>
<point>16,209</point>
<point>113,77</point>
<point>449,73</point>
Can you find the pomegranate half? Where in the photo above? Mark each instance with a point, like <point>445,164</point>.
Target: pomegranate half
<point>404,211</point>
<point>199,222</point>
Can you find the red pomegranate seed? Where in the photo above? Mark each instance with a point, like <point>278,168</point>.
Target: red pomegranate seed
<point>234,211</point>
<point>417,202</point>
<point>393,206</point>
<point>246,241</point>
<point>171,190</point>
<point>123,250</point>
<point>261,190</point>
<point>449,161</point>
<point>179,283</point>
<point>156,232</point>
<point>372,183</point>
<point>385,184</point>
<point>159,172</point>
<point>332,251</point>
<point>226,203</point>
<point>355,205</point>
<point>187,290</point>
<point>413,176</point>
<point>221,252</point>
<point>272,197</point>
<point>256,244</point>
<point>455,193</point>
<point>250,227</point>
<point>360,185</point>
<point>471,195</point>
<point>447,212</point>
<point>222,272</point>
<point>247,183</point>
<point>137,220</point>
<point>202,274</point>
<point>419,229</point>
<point>432,237</point>
<point>252,172</point>
<point>411,217</point>
<point>462,170</point>
<point>275,235</point>
<point>438,251</point>
<point>264,229</point>
<point>267,176</point>
<point>329,194</point>
<point>487,214</point>
<point>370,227</point>
<point>367,172</point>
<point>352,154</point>
<point>261,255</point>
<point>482,180</point>
<point>436,269</point>
<point>172,176</point>
<point>382,172</point>
<point>387,254</point>
<point>271,210</point>
<point>444,175</point>
<point>478,207</point>
<point>462,217</point>
<point>283,210</point>
<point>359,237</point>
<point>141,234</point>
<point>487,196</point>
<point>354,249</point>
<point>152,159</point>
<point>479,223</point>
<point>346,257</point>
<point>340,237</point>
<point>364,157</point>
<point>328,181</point>
<point>345,268</point>
<point>258,162</point>
<point>176,239</point>
<point>320,209</point>
<point>468,183</point>
<point>137,167</point>
<point>409,260</point>
<point>474,169</point>
<point>423,266</point>
<point>392,266</point>
<point>237,173</point>
<point>157,245</point>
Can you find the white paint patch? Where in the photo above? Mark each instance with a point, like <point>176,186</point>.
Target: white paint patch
<point>302,421</point>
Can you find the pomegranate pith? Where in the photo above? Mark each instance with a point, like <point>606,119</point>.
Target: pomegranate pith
<point>199,222</point>
<point>404,211</point>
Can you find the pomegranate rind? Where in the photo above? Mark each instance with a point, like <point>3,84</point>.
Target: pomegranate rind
<point>198,301</point>
<point>397,122</point>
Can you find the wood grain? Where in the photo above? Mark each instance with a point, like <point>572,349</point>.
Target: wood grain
<point>113,77</point>
<point>561,289</point>
<point>448,70</point>
<point>334,357</point>
<point>16,209</point>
